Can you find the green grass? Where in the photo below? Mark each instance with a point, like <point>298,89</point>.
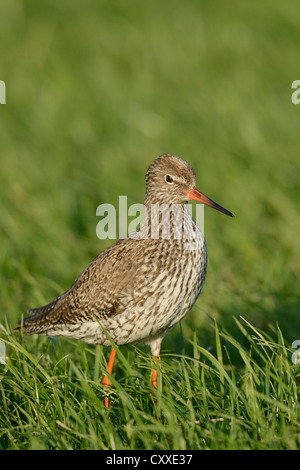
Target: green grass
<point>95,91</point>
<point>204,401</point>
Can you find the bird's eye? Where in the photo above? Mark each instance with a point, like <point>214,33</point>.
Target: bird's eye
<point>169,179</point>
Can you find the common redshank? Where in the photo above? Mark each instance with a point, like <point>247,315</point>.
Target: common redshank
<point>141,286</point>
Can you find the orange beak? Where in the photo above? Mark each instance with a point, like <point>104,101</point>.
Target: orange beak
<point>198,196</point>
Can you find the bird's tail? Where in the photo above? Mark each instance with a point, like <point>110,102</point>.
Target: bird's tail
<point>38,321</point>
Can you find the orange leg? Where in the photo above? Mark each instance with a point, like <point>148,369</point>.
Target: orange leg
<point>154,379</point>
<point>155,360</point>
<point>106,382</point>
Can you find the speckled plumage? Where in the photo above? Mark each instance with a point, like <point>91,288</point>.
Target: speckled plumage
<point>139,287</point>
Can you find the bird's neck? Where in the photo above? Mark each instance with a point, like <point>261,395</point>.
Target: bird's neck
<point>167,221</point>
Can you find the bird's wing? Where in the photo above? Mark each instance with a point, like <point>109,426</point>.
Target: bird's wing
<point>101,288</point>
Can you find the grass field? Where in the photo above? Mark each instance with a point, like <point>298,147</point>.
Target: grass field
<point>95,91</point>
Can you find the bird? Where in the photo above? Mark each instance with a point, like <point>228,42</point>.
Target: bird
<point>141,286</point>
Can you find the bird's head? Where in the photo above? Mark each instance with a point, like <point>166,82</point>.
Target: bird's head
<point>171,180</point>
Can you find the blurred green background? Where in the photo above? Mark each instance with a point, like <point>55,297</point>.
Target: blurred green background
<point>95,90</point>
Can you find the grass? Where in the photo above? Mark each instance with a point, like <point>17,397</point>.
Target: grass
<point>94,92</point>
<point>204,401</point>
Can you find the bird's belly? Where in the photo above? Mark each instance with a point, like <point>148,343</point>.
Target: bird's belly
<point>171,297</point>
